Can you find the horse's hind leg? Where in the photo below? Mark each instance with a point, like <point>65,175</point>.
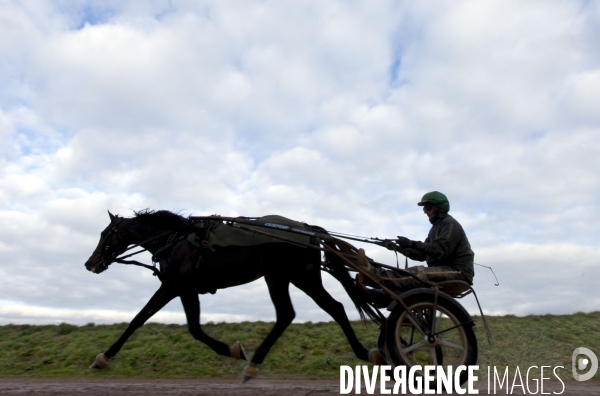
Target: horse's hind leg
<point>191,306</point>
<point>311,284</point>
<point>156,303</point>
<point>284,310</point>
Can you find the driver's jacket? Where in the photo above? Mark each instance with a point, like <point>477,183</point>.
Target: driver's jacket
<point>446,245</point>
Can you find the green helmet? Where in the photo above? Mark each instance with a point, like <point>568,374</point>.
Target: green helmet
<point>435,198</point>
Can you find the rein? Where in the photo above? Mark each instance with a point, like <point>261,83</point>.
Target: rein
<point>242,221</point>
<point>330,236</point>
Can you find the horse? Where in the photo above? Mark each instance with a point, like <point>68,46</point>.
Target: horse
<point>187,270</point>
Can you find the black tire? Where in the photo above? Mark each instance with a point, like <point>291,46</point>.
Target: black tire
<point>453,341</point>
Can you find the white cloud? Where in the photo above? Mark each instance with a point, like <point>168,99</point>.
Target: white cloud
<point>338,114</point>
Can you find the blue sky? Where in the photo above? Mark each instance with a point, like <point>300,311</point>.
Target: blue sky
<point>341,114</point>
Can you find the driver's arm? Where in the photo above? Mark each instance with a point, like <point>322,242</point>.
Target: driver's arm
<point>445,242</point>
<point>409,252</point>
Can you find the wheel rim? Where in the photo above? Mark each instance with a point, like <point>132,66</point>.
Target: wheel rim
<point>448,345</point>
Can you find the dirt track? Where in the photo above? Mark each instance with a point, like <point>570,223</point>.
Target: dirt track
<point>80,387</point>
<point>257,387</point>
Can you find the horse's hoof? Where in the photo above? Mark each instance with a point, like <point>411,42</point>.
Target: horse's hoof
<point>101,362</point>
<point>246,379</point>
<point>237,352</point>
<point>250,371</point>
<point>375,357</point>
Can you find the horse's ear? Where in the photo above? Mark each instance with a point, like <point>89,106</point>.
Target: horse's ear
<point>112,216</point>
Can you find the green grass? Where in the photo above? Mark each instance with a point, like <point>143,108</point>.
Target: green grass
<point>546,340</point>
<point>309,350</point>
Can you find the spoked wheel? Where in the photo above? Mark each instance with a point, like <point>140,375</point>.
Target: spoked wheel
<point>432,336</point>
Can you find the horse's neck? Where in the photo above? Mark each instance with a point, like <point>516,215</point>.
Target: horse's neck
<point>152,238</point>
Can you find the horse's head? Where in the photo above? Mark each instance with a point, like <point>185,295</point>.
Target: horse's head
<point>113,241</point>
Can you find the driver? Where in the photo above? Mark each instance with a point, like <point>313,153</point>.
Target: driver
<point>446,250</point>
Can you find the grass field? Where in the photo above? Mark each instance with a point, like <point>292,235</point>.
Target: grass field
<point>309,350</point>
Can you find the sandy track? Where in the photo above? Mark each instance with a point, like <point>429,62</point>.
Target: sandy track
<point>257,387</point>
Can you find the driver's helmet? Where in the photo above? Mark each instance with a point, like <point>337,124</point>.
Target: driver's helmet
<point>435,198</point>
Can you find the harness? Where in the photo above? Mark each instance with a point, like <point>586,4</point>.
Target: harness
<point>173,238</point>
<point>201,241</point>
<point>206,223</point>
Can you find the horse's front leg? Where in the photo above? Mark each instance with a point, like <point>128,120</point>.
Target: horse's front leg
<point>162,296</point>
<point>191,306</point>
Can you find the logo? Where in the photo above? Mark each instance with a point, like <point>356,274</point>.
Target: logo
<point>418,379</point>
<point>581,363</point>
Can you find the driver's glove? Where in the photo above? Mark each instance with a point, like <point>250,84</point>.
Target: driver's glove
<point>403,242</point>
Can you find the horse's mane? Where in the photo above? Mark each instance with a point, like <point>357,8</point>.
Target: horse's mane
<point>160,218</point>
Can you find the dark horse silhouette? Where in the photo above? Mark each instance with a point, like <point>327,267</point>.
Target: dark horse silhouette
<point>187,270</point>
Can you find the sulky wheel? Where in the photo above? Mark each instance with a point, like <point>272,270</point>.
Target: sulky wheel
<point>444,337</point>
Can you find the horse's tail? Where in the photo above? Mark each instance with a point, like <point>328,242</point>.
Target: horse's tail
<point>335,266</point>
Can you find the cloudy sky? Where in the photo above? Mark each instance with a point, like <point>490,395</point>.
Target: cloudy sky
<point>337,113</point>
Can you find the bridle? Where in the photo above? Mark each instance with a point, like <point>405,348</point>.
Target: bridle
<point>107,257</point>
<point>104,249</point>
